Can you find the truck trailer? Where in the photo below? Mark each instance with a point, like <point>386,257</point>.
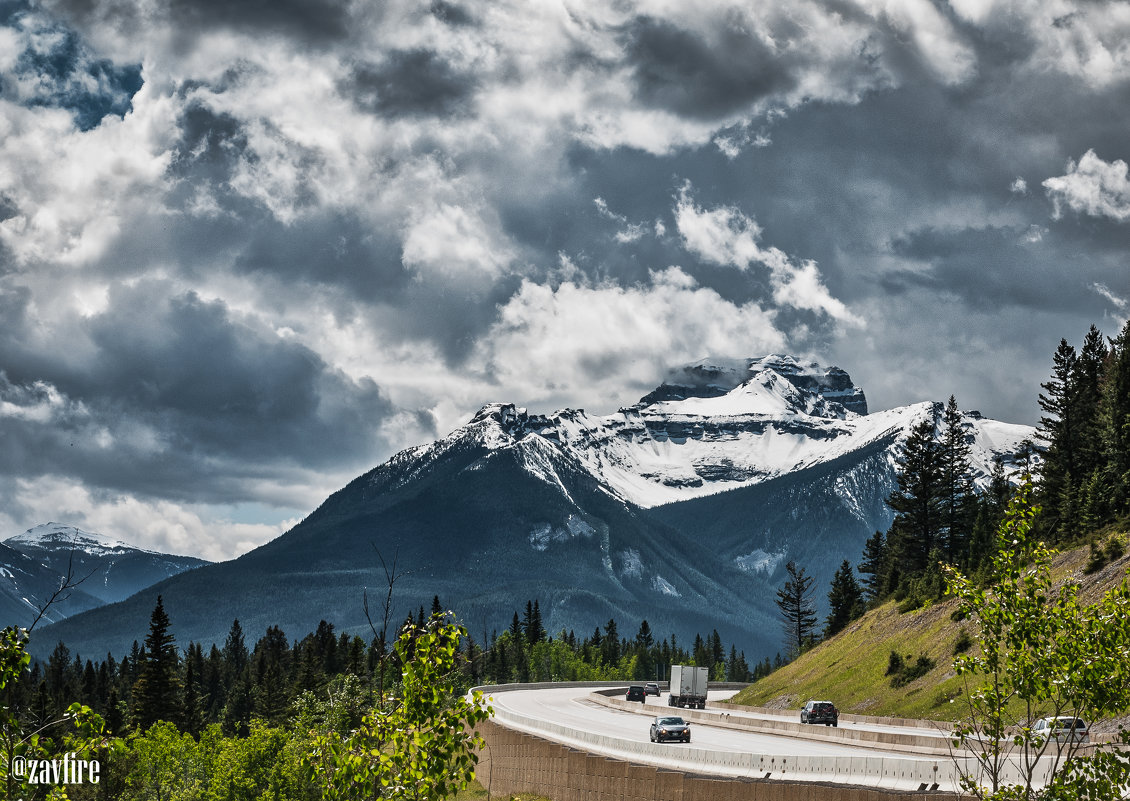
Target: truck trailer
<point>688,686</point>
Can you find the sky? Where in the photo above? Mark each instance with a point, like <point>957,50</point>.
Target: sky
<point>249,250</point>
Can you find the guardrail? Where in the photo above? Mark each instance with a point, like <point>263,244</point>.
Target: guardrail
<point>879,771</point>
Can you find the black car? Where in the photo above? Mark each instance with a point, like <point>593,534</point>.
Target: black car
<point>636,693</point>
<point>670,728</point>
<point>820,712</point>
<point>651,688</point>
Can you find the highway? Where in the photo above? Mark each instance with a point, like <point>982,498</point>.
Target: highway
<point>859,753</point>
<point>574,708</point>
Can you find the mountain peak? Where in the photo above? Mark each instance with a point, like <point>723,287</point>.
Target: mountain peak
<point>714,377</point>
<point>55,535</point>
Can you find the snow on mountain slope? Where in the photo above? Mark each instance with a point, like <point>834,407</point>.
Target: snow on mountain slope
<point>728,428</point>
<point>111,569</point>
<point>51,536</point>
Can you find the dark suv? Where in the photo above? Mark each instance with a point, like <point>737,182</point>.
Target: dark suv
<point>636,693</point>
<point>820,712</point>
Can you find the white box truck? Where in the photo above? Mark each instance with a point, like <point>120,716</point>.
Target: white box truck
<point>688,686</point>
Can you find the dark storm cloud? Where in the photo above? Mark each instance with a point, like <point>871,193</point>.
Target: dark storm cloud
<point>410,83</point>
<point>992,268</point>
<point>225,402</point>
<point>451,13</point>
<point>210,147</point>
<point>331,249</point>
<point>678,70</point>
<point>315,22</point>
<point>309,21</point>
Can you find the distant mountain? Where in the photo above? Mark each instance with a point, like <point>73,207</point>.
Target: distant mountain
<point>25,587</point>
<point>681,509</point>
<point>109,570</point>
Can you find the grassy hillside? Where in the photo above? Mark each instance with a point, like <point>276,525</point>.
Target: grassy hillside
<point>851,668</point>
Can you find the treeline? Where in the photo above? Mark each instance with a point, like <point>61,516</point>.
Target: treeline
<point>1079,465</point>
<point>526,653</point>
<point>274,679</point>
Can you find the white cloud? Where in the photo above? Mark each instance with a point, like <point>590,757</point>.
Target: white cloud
<point>1084,39</point>
<point>725,235</point>
<point>75,192</point>
<point>940,45</point>
<point>163,526</point>
<point>1120,303</point>
<point>589,342</point>
<point>1093,187</point>
<point>1018,187</point>
<point>629,232</point>
<point>449,240</point>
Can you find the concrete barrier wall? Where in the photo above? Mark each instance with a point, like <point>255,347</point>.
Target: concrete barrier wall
<point>519,762</point>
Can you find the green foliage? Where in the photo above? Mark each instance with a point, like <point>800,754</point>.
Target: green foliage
<point>962,643</point>
<point>1043,652</point>
<point>416,744</point>
<point>902,671</point>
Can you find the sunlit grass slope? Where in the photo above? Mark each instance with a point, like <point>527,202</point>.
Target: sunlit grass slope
<point>850,669</point>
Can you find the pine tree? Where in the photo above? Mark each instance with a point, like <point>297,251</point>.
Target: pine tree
<point>875,566</point>
<point>531,623</point>
<point>157,693</point>
<point>1088,380</point>
<point>798,614</point>
<point>917,502</point>
<point>235,651</point>
<point>611,644</point>
<point>1116,420</point>
<point>958,494</point>
<point>1058,429</point>
<point>193,720</point>
<point>845,598</point>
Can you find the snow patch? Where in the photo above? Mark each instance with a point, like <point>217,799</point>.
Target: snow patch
<point>541,537</point>
<point>631,565</point>
<point>759,561</point>
<point>662,585</point>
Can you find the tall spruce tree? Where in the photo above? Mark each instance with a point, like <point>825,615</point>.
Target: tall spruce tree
<point>1089,373</point>
<point>845,599</point>
<point>959,497</point>
<point>1058,429</point>
<point>917,502</point>
<point>798,614</point>
<point>1116,421</point>
<point>157,694</point>
<point>875,566</point>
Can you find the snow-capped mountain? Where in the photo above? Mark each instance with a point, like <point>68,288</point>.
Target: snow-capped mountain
<point>26,585</point>
<point>734,427</point>
<point>110,569</point>
<point>680,509</point>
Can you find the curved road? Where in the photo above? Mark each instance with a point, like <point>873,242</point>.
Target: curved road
<point>572,707</point>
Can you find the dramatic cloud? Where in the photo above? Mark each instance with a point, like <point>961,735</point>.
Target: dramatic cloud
<point>589,342</point>
<point>1093,186</point>
<point>726,236</point>
<point>249,250</point>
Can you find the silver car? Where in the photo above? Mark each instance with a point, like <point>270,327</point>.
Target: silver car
<point>1062,730</point>
<point>669,727</point>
